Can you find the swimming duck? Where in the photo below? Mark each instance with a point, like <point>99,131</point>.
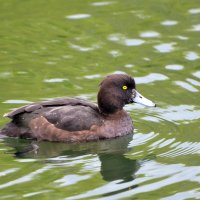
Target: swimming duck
<point>77,120</point>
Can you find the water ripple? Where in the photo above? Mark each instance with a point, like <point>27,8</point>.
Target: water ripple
<point>194,11</point>
<point>150,78</point>
<point>133,42</point>
<point>36,193</point>
<point>121,39</point>
<point>8,171</point>
<point>26,178</point>
<point>165,47</point>
<point>5,74</point>
<point>185,148</point>
<point>169,23</point>
<point>196,74</point>
<point>180,37</point>
<point>191,56</point>
<point>94,76</point>
<point>186,86</point>
<point>193,82</point>
<point>103,3</point>
<point>55,80</point>
<point>85,49</point>
<point>172,113</point>
<point>141,138</point>
<point>17,101</point>
<point>70,180</point>
<point>78,16</point>
<point>195,27</point>
<point>115,53</point>
<point>167,174</point>
<point>149,34</point>
<point>175,67</point>
<point>190,194</point>
<point>161,143</point>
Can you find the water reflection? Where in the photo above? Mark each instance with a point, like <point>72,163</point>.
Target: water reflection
<point>115,53</point>
<point>121,39</point>
<point>180,37</point>
<point>196,27</point>
<point>94,76</point>
<point>5,74</point>
<point>196,74</point>
<point>149,34</point>
<point>191,56</point>
<point>150,78</point>
<point>117,167</point>
<point>175,67</point>
<point>78,16</point>
<point>17,101</point>
<point>103,3</point>
<point>85,49</point>
<point>165,47</point>
<point>172,113</point>
<point>169,23</point>
<point>193,82</point>
<point>186,86</point>
<point>55,80</point>
<point>111,154</point>
<point>133,42</point>
<point>194,11</point>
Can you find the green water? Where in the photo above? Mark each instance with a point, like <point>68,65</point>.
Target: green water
<point>61,48</point>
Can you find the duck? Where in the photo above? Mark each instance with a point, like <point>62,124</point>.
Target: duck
<point>76,120</point>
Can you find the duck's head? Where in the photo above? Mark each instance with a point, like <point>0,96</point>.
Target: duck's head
<point>116,91</point>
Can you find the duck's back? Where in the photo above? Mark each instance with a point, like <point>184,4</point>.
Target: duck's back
<point>68,114</point>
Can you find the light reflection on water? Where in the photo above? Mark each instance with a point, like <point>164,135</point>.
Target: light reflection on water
<point>149,34</point>
<point>191,56</point>
<point>73,46</point>
<point>174,67</point>
<point>165,47</point>
<point>121,39</point>
<point>169,23</point>
<point>78,16</point>
<point>170,174</point>
<point>104,3</point>
<point>186,86</point>
<point>150,78</point>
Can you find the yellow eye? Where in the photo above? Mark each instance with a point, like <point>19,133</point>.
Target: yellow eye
<point>124,87</point>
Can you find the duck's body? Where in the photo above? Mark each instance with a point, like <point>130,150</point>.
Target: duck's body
<point>76,120</point>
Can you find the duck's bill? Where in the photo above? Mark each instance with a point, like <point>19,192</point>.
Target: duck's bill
<point>138,98</point>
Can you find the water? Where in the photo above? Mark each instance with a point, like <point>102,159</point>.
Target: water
<point>54,49</point>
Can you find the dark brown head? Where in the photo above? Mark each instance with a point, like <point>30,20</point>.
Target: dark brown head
<point>116,91</point>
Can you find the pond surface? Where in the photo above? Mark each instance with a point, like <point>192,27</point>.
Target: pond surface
<point>61,48</point>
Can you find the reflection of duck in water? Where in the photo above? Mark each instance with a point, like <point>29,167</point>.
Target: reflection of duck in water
<point>75,120</point>
<point>111,153</point>
<point>117,167</point>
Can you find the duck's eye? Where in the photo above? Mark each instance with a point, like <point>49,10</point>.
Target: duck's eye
<point>124,87</point>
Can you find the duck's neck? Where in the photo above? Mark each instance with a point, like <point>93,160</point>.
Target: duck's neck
<point>109,104</point>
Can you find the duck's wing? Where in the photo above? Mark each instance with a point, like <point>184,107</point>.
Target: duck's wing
<point>52,103</point>
<point>66,114</point>
<point>72,118</point>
